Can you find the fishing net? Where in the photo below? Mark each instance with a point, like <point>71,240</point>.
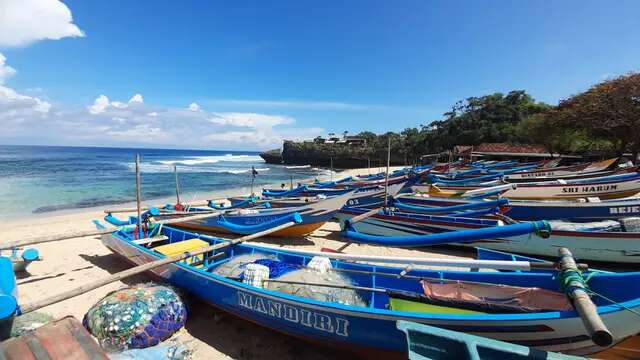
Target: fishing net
<point>604,225</point>
<point>235,266</point>
<point>321,293</point>
<point>136,317</point>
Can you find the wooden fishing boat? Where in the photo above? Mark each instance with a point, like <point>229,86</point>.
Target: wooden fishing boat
<point>367,197</point>
<point>565,171</point>
<point>589,209</point>
<point>372,324</point>
<point>514,172</point>
<point>337,189</point>
<point>505,177</point>
<point>608,187</point>
<point>596,245</point>
<point>314,215</point>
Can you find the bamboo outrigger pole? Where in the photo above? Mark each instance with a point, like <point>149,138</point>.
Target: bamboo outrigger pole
<point>142,268</point>
<point>77,234</point>
<point>363,216</point>
<point>576,290</point>
<point>144,208</point>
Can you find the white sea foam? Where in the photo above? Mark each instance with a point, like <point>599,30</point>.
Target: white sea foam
<point>165,168</point>
<point>199,160</point>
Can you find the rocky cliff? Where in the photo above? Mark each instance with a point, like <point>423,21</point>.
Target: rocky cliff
<point>344,156</point>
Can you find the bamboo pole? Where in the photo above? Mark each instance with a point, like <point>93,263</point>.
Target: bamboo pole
<point>444,262</point>
<point>175,172</point>
<point>142,268</point>
<point>363,216</point>
<point>77,234</point>
<point>386,178</point>
<point>582,303</point>
<point>138,207</point>
<point>127,210</point>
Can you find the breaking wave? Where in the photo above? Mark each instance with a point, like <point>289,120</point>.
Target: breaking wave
<point>199,160</point>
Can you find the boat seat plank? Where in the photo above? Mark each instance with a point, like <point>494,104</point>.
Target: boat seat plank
<point>182,247</point>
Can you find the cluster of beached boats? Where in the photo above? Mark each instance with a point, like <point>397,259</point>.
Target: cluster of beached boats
<point>507,210</point>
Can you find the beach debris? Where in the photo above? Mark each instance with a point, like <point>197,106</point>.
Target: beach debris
<point>168,350</point>
<point>29,322</point>
<point>136,317</point>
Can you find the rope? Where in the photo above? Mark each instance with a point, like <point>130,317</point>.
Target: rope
<point>569,275</point>
<point>614,302</point>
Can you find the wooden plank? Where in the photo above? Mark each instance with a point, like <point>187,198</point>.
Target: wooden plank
<point>62,339</point>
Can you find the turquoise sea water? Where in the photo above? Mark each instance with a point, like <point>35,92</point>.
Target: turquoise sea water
<point>40,179</point>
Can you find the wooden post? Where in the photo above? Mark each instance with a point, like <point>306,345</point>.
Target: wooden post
<point>291,182</point>
<point>582,303</point>
<point>175,172</point>
<point>362,216</point>
<point>386,179</point>
<point>138,207</point>
<point>331,159</point>
<point>142,268</point>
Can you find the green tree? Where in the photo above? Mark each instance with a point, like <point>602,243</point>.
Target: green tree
<point>609,110</point>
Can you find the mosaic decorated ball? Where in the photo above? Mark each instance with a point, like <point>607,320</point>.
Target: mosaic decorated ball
<point>136,317</point>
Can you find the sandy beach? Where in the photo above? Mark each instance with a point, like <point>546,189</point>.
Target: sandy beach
<point>209,333</point>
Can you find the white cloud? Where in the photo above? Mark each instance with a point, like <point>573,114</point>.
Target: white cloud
<point>194,107</point>
<point>136,99</point>
<point>252,120</point>
<point>6,71</point>
<point>25,21</point>
<point>99,105</point>
<point>125,124</point>
<point>102,103</point>
<point>13,104</point>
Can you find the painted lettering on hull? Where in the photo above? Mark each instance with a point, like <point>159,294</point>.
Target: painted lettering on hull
<point>589,189</point>
<point>327,323</point>
<point>624,210</point>
<point>536,174</point>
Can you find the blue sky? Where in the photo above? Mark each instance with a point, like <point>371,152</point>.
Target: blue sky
<point>301,68</point>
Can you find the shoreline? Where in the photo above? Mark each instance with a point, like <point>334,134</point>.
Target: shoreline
<point>187,198</point>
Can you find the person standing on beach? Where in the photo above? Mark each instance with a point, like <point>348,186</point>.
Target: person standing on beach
<point>254,173</point>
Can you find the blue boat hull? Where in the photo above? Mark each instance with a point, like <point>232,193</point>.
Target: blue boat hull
<point>373,326</point>
<point>548,210</point>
